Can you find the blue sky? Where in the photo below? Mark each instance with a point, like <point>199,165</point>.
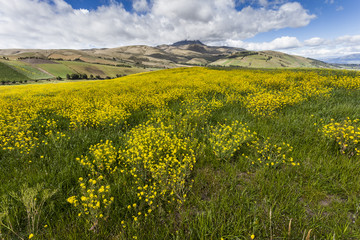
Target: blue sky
<point>311,28</point>
<point>332,20</point>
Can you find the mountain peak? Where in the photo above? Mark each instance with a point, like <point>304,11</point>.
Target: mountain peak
<point>188,42</point>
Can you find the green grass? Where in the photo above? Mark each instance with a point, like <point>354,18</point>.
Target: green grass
<point>28,70</point>
<point>322,194</point>
<point>57,69</point>
<point>8,74</point>
<point>101,70</point>
<point>229,199</point>
<point>265,60</point>
<point>20,69</point>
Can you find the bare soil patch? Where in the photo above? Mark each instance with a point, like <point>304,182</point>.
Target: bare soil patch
<point>38,61</point>
<point>94,70</point>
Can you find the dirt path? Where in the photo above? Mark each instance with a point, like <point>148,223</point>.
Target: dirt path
<point>43,70</point>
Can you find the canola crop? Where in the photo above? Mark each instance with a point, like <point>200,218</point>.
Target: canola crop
<point>157,157</point>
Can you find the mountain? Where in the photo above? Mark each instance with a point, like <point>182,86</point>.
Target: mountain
<point>348,59</point>
<point>111,62</point>
<point>187,42</point>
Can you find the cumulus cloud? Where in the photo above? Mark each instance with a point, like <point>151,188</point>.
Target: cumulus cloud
<point>315,47</point>
<point>285,42</point>
<point>316,41</point>
<point>140,5</point>
<point>349,39</point>
<point>55,24</point>
<point>319,48</point>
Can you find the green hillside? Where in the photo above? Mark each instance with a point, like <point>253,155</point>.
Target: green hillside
<point>7,74</point>
<point>57,69</point>
<point>29,70</point>
<point>99,69</point>
<point>267,59</point>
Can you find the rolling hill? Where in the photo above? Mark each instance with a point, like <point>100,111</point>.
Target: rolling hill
<point>111,62</point>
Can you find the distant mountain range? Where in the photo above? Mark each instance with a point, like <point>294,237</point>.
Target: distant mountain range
<point>348,59</point>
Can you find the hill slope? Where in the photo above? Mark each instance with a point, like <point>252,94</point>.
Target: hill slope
<point>268,59</point>
<point>8,74</point>
<point>132,59</point>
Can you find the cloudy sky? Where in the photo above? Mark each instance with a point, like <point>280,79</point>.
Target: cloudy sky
<point>311,28</point>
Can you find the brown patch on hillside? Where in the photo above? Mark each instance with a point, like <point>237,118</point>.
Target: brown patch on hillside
<point>93,70</point>
<point>38,61</point>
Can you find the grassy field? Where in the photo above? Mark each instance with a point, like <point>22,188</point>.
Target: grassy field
<point>9,75</point>
<point>38,71</point>
<point>265,59</point>
<point>190,153</point>
<point>57,69</point>
<point>28,70</point>
<point>101,70</point>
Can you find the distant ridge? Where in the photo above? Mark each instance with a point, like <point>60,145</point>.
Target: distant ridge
<point>347,59</point>
<point>187,42</point>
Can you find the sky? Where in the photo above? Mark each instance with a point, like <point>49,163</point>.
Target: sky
<point>318,29</point>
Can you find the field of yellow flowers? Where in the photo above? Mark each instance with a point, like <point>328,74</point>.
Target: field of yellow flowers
<point>188,153</point>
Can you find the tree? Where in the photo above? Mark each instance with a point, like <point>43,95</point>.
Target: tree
<point>75,76</point>
<point>68,76</point>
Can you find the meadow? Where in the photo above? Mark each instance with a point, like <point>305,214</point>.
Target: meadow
<point>25,69</point>
<point>68,67</point>
<point>9,75</point>
<point>42,70</point>
<point>187,153</point>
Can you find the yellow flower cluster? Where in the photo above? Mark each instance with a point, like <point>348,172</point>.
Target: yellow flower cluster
<point>345,82</point>
<point>346,134</point>
<point>102,158</point>
<point>284,89</point>
<point>159,161</point>
<point>27,112</point>
<point>225,139</point>
<point>195,108</point>
<point>266,153</point>
<point>95,199</point>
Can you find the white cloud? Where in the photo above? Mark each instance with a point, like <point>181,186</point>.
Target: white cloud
<point>315,41</point>
<point>140,5</point>
<point>277,44</point>
<point>321,49</point>
<point>349,40</point>
<point>329,1</point>
<point>315,47</point>
<point>263,2</point>
<point>55,24</point>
